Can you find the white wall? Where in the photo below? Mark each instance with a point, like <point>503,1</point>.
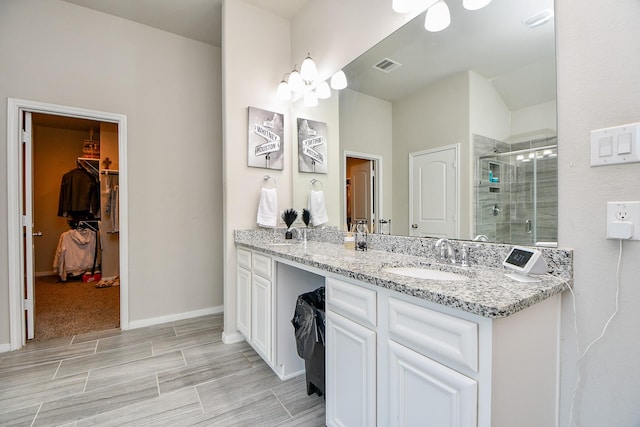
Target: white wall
<point>536,121</point>
<point>432,117</point>
<point>366,127</point>
<point>169,88</point>
<point>488,114</point>
<point>598,47</point>
<point>255,52</point>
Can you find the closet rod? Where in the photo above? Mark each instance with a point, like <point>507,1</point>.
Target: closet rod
<point>109,172</point>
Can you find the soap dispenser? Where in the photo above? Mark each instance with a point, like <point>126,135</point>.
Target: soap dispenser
<point>361,236</point>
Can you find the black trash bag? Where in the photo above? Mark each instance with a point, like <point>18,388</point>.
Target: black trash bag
<point>308,322</point>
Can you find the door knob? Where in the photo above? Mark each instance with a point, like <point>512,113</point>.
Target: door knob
<point>414,225</point>
<point>37,234</point>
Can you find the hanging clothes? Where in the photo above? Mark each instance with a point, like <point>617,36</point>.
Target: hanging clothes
<point>79,195</point>
<point>76,252</point>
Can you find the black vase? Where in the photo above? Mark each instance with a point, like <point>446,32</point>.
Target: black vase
<point>288,235</point>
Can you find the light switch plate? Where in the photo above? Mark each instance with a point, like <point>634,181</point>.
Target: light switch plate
<point>623,219</point>
<point>614,145</point>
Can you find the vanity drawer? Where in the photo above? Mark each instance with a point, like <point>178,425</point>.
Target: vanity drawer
<point>436,335</point>
<point>243,258</point>
<point>354,302</point>
<point>262,265</point>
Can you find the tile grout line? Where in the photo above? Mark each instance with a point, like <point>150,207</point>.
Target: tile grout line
<point>36,415</point>
<point>281,404</point>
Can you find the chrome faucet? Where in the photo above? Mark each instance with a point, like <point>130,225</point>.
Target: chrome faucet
<point>446,253</point>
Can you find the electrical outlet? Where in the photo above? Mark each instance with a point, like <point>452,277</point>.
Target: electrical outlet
<point>623,220</point>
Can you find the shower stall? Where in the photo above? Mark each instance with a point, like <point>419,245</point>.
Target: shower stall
<point>516,195</point>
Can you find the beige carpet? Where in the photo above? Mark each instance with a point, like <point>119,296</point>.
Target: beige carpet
<point>74,307</point>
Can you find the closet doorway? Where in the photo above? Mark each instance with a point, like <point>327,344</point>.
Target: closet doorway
<point>47,142</point>
<point>75,247</point>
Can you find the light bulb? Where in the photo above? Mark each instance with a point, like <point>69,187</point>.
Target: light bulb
<point>402,6</point>
<point>308,69</point>
<point>475,4</point>
<point>283,93</point>
<point>438,17</point>
<point>338,80</point>
<point>295,81</point>
<point>310,99</point>
<point>323,91</point>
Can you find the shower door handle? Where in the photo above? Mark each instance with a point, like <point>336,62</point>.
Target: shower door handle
<point>527,226</point>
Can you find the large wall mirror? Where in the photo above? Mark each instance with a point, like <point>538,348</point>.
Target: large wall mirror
<point>451,133</point>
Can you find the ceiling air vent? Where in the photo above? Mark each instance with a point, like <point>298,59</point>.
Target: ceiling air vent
<point>387,65</point>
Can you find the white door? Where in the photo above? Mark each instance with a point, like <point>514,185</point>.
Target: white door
<point>434,193</point>
<point>350,373</point>
<point>27,222</point>
<point>423,392</point>
<point>362,191</point>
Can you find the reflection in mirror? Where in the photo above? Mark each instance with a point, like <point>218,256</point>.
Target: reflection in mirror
<point>476,96</point>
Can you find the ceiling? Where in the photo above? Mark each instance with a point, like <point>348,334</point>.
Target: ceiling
<point>492,42</point>
<point>195,19</point>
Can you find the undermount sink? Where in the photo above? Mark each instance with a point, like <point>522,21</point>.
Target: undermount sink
<point>282,244</point>
<point>424,273</point>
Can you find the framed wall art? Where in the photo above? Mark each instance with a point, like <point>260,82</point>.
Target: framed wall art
<point>266,139</point>
<point>312,146</point>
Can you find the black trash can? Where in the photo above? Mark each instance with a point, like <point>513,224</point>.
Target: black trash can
<point>308,323</point>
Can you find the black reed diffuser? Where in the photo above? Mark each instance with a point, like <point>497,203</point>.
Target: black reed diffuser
<point>306,216</point>
<point>289,216</point>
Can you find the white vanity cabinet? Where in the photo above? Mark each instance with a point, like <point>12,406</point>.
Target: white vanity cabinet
<point>397,360</point>
<point>351,355</point>
<point>254,300</point>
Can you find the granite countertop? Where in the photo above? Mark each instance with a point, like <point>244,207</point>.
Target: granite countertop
<point>487,291</point>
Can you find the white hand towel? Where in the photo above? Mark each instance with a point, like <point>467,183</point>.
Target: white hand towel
<point>268,208</point>
<point>317,208</point>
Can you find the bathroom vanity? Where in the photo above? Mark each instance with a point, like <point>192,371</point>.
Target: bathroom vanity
<point>475,349</point>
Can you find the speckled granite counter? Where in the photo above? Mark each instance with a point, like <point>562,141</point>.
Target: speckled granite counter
<point>487,292</point>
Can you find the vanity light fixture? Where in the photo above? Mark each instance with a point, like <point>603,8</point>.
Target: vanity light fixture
<point>339,80</point>
<point>437,17</point>
<point>304,83</point>
<point>323,91</point>
<point>308,70</point>
<point>295,81</point>
<point>475,4</point>
<point>283,92</point>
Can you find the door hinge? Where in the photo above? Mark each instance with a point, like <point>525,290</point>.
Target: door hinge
<point>26,137</point>
<point>24,220</point>
<point>27,305</point>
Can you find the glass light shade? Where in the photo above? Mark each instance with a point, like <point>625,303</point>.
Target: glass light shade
<point>402,6</point>
<point>438,17</point>
<point>308,70</point>
<point>295,81</point>
<point>310,99</point>
<point>339,80</point>
<point>475,4</point>
<point>283,93</point>
<point>323,91</point>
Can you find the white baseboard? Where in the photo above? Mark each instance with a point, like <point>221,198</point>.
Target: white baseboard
<point>5,347</point>
<point>232,338</point>
<point>135,324</point>
<point>45,273</point>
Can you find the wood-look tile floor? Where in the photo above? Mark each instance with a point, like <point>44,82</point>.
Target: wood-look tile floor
<point>174,374</point>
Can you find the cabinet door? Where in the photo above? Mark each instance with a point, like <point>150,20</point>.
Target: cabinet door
<point>243,295</point>
<point>350,373</point>
<point>424,392</point>
<point>261,316</point>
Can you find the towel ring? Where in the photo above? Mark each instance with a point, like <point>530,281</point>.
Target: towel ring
<point>268,178</point>
<point>316,181</point>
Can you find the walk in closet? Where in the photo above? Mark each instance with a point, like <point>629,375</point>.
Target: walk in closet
<point>76,224</point>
